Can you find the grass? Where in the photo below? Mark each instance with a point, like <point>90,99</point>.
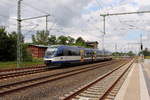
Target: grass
<point>147,57</point>
<point>13,64</point>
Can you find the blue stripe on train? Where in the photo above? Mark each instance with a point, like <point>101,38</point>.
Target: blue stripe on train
<point>65,61</point>
<point>70,61</point>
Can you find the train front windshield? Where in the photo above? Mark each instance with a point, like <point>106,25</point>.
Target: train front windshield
<point>50,52</point>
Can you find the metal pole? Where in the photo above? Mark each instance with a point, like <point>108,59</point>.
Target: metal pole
<point>126,13</point>
<point>104,23</point>
<point>104,34</point>
<point>19,33</point>
<point>34,17</point>
<point>116,47</point>
<point>141,46</point>
<point>47,24</point>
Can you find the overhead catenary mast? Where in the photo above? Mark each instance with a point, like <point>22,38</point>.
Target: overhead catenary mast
<point>19,36</point>
<point>19,54</point>
<point>116,14</point>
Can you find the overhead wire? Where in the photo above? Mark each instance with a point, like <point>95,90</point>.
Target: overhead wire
<point>7,3</point>
<point>5,16</point>
<point>37,9</point>
<point>99,5</point>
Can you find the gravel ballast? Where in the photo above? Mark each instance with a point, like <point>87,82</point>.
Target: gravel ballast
<point>53,90</point>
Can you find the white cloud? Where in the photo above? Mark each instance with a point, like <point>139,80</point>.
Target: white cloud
<point>80,18</point>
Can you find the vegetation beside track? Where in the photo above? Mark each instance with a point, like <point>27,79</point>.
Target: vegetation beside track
<point>13,64</point>
<point>147,57</point>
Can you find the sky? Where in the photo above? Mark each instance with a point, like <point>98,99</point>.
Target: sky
<point>82,18</point>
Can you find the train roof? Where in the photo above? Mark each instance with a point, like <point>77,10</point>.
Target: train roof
<point>67,46</point>
<point>64,46</point>
<point>77,47</point>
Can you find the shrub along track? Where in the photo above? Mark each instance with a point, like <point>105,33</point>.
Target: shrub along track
<point>7,88</point>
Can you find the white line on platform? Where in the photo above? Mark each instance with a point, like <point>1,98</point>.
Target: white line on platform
<point>143,88</point>
<point>123,89</point>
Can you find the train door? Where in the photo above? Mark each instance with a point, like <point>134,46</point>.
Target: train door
<point>94,55</point>
<point>81,55</point>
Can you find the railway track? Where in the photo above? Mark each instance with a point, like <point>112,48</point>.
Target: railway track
<point>4,75</point>
<point>103,88</point>
<point>27,71</point>
<point>8,88</point>
<point>18,69</point>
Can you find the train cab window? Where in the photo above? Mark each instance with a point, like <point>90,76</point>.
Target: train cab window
<point>50,52</point>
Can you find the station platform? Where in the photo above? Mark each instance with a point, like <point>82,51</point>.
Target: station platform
<point>137,84</point>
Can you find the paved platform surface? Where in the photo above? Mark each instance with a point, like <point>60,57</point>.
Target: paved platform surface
<point>137,83</point>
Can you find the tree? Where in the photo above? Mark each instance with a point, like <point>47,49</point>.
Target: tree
<point>41,37</point>
<point>52,40</point>
<point>71,40</point>
<point>62,40</point>
<point>145,52</point>
<point>26,54</point>
<point>80,42</point>
<point>8,44</point>
<point>130,53</point>
<point>3,45</point>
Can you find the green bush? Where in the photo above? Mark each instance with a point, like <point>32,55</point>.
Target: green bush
<point>27,56</point>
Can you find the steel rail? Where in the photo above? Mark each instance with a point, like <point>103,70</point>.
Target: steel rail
<point>77,92</point>
<point>25,72</point>
<point>23,68</point>
<point>114,84</point>
<point>45,79</point>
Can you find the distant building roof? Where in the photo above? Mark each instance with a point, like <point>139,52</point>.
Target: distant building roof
<point>92,42</point>
<point>41,46</point>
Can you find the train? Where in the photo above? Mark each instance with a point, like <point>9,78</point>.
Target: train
<point>63,55</point>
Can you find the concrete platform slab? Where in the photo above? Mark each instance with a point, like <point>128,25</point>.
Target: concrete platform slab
<point>135,85</point>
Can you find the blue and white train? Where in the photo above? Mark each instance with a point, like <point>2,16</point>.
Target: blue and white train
<point>60,55</point>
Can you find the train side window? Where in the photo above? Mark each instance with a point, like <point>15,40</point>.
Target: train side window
<point>69,53</point>
<point>65,52</point>
<point>75,52</point>
<point>60,53</point>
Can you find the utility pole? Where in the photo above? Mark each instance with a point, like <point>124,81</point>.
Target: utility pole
<point>116,47</point>
<point>103,38</point>
<point>19,53</point>
<point>19,37</point>
<point>47,23</point>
